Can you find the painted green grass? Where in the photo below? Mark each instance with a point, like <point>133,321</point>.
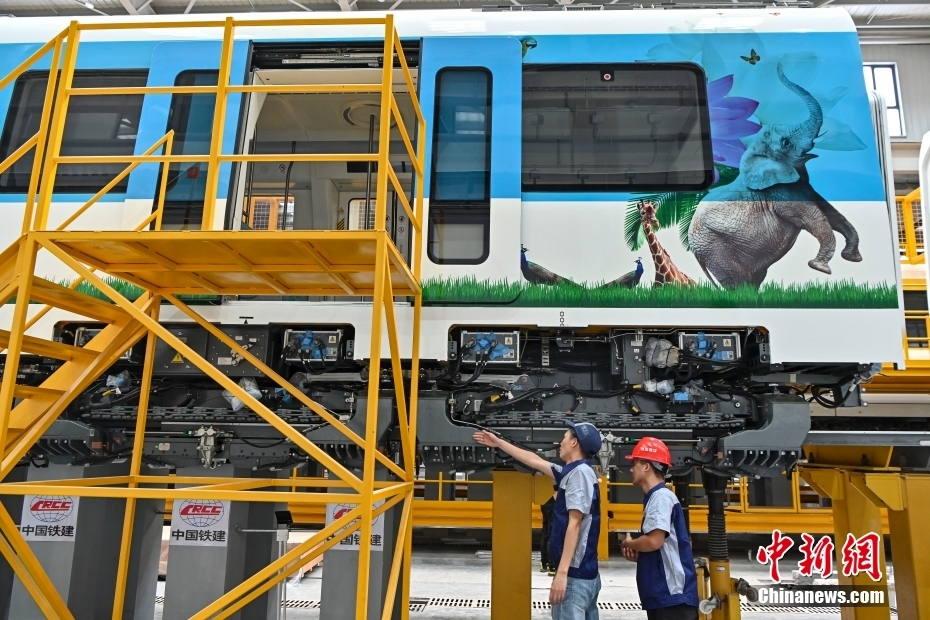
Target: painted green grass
<point>840,294</point>
<point>127,289</point>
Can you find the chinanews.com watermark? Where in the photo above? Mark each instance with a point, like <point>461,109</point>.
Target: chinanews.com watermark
<point>822,596</point>
<point>858,556</point>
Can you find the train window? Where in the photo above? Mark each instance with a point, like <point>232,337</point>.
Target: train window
<point>94,125</point>
<point>191,118</point>
<point>460,191</point>
<point>633,127</point>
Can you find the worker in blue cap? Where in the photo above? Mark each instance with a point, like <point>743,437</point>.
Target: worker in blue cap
<point>575,517</point>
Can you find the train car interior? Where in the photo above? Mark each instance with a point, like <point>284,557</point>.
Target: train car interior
<point>293,195</point>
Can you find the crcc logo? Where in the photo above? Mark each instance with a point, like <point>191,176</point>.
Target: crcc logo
<point>51,508</point>
<point>201,512</point>
<point>341,509</point>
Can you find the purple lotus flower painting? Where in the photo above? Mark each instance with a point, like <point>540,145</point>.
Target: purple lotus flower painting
<point>729,123</point>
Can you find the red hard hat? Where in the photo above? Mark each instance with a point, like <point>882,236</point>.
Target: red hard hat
<point>651,449</point>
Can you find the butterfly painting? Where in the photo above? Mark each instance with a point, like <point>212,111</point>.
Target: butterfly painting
<point>753,57</point>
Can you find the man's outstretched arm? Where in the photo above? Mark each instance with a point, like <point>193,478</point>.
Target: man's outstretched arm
<point>528,458</point>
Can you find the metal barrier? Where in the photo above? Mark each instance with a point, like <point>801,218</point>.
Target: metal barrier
<point>743,517</point>
<point>911,237</point>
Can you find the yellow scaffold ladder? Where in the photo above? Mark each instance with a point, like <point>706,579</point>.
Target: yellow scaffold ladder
<point>165,264</point>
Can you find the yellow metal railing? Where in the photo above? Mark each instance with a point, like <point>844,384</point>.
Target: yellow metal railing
<point>64,49</point>
<point>917,347</point>
<point>800,516</point>
<point>363,491</point>
<point>911,237</point>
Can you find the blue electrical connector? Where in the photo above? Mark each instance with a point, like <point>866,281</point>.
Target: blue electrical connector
<point>487,345</point>
<point>310,346</point>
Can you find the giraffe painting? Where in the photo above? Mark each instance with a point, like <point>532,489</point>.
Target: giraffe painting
<point>666,271</point>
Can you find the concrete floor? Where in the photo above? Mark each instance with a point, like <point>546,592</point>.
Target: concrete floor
<point>464,574</point>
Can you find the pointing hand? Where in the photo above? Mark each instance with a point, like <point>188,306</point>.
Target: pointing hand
<point>487,439</point>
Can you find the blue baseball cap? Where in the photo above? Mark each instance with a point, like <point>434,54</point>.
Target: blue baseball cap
<point>588,436</point>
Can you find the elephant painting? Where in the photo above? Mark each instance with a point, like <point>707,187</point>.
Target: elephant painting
<point>740,230</point>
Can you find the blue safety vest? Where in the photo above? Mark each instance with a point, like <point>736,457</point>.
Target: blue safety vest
<point>584,563</point>
<point>666,577</point>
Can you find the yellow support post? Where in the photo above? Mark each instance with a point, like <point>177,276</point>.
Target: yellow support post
<point>722,586</point>
<point>371,430</point>
<point>399,546</point>
<point>43,133</point>
<point>910,537</point>
<point>384,130</point>
<point>135,468</point>
<point>56,132</point>
<point>416,252</point>
<point>910,242</point>
<point>26,566</point>
<point>511,545</point>
<point>854,512</point>
<point>603,547</point>
<point>219,126</point>
<point>907,499</point>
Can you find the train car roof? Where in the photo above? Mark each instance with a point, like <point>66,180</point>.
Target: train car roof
<point>455,22</point>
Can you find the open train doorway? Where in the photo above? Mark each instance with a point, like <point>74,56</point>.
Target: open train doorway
<point>293,195</point>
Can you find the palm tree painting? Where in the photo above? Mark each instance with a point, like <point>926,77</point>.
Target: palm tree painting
<point>729,124</point>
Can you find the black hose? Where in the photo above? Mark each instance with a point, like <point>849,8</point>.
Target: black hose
<point>817,394</point>
<point>717,547</point>
<point>684,498</point>
<point>255,445</point>
<point>480,364</point>
<point>287,187</point>
<point>116,401</point>
<point>288,462</point>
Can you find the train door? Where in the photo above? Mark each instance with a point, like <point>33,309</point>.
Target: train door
<point>470,93</point>
<point>296,195</point>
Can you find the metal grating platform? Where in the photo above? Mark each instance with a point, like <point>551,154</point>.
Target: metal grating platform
<point>420,604</point>
<point>301,262</point>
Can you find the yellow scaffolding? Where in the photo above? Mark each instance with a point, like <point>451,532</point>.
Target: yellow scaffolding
<point>166,264</point>
<point>911,229</point>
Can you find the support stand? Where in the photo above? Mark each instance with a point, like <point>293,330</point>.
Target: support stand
<point>98,529</point>
<point>511,545</point>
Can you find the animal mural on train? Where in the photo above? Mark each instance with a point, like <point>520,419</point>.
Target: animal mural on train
<point>767,122</point>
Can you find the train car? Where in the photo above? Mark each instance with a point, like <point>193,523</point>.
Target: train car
<point>663,221</point>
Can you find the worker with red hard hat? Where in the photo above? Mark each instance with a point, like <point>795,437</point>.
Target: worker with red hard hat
<point>665,575</point>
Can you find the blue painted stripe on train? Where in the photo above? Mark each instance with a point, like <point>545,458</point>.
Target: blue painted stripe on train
<point>168,60</point>
<point>501,55</point>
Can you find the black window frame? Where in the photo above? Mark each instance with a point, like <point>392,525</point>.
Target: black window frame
<point>703,110</point>
<point>8,146</point>
<point>897,107</point>
<point>461,211</point>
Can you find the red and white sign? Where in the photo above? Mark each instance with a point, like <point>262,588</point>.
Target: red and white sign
<point>49,517</point>
<point>200,523</point>
<point>351,541</point>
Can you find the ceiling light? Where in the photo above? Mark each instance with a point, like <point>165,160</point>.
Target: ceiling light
<point>359,114</point>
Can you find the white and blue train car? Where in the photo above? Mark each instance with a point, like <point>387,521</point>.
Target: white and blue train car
<point>707,178</point>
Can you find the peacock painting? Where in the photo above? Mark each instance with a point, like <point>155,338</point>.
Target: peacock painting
<point>631,279</point>
<point>537,274</point>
